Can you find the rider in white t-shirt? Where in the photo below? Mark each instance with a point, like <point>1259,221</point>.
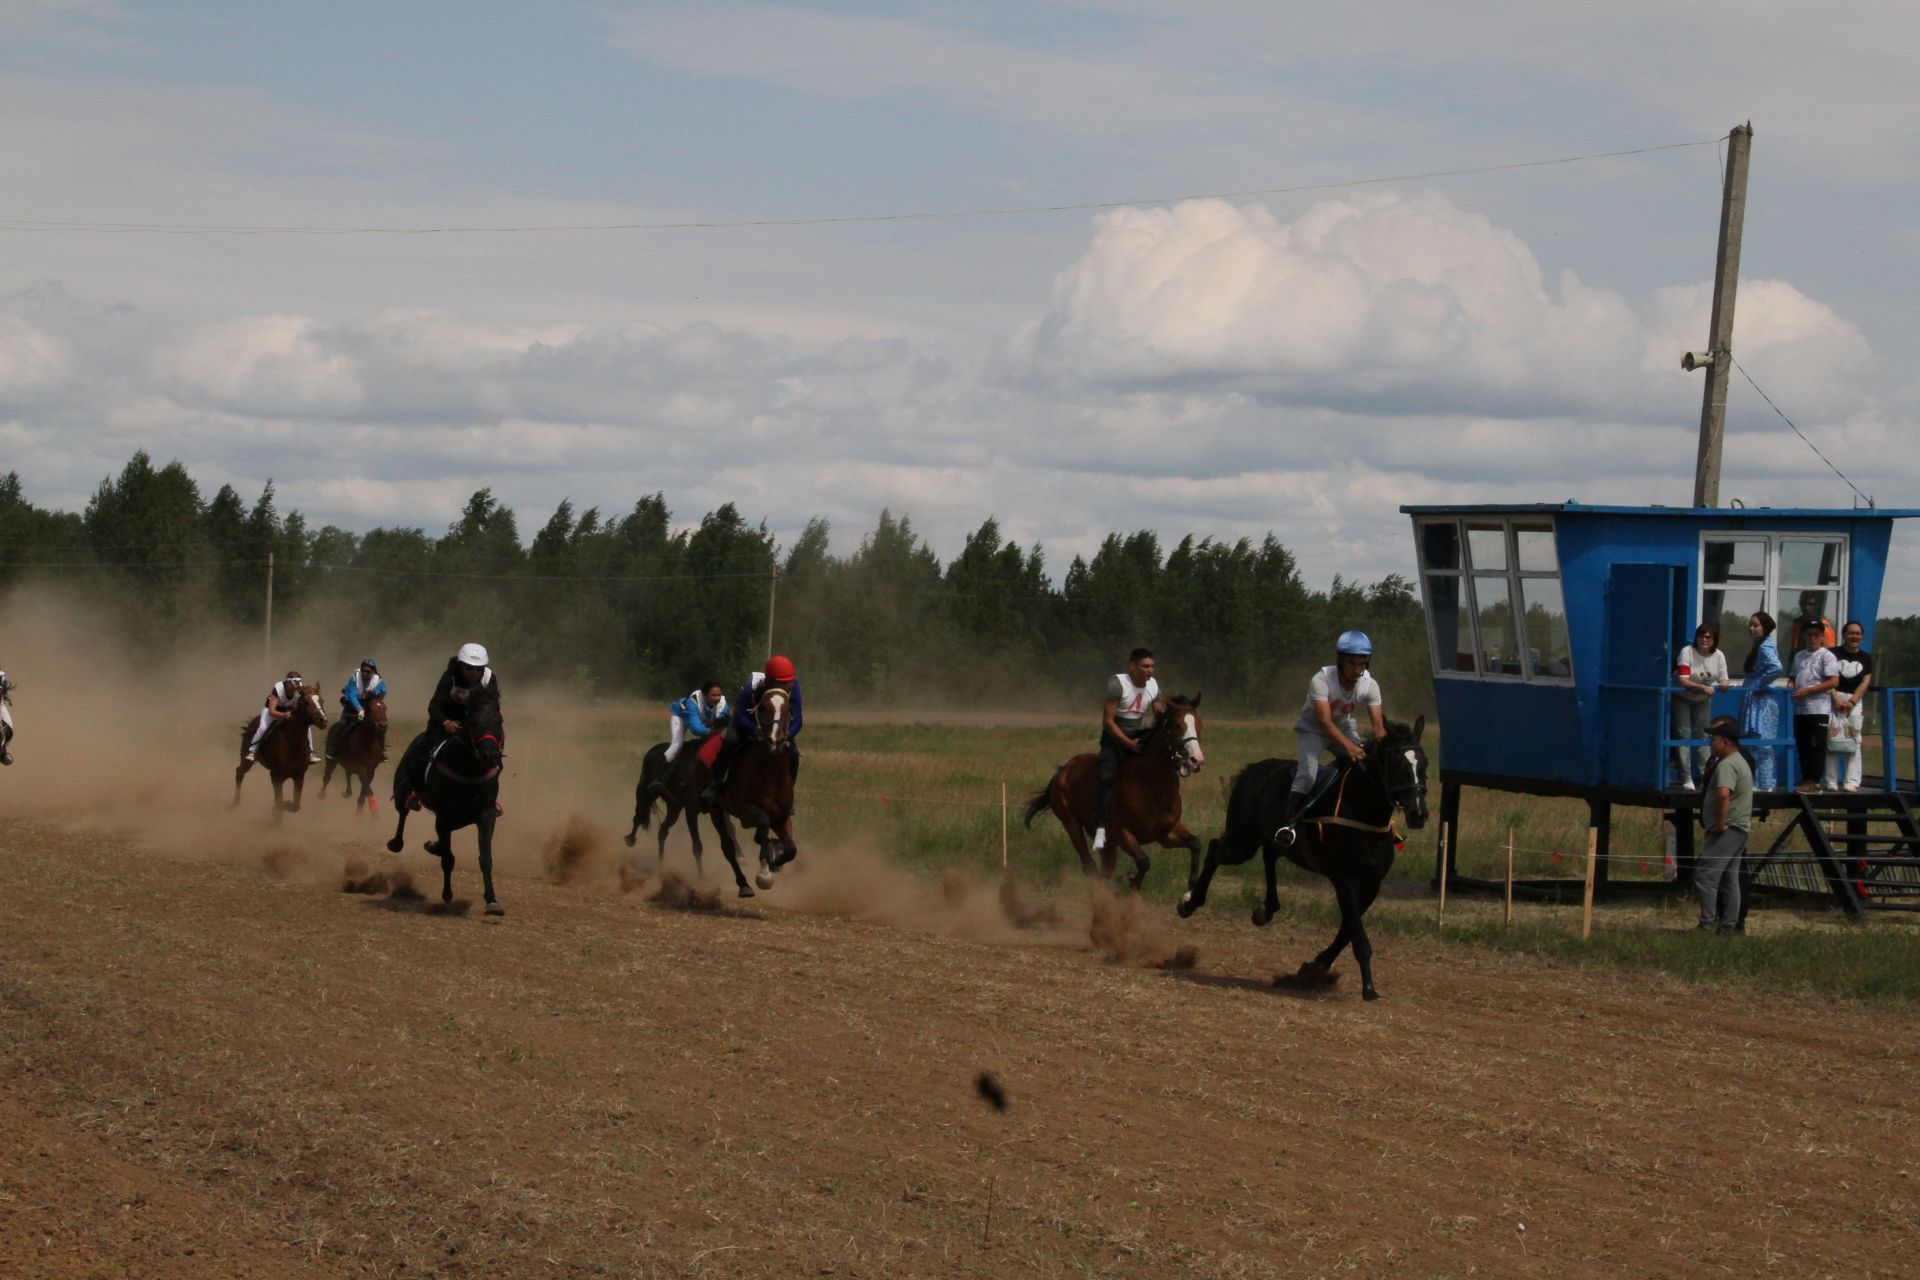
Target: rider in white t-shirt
<point>1326,720</point>
<point>1130,695</point>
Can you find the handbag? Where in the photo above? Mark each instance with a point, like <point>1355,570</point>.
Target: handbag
<point>1840,735</point>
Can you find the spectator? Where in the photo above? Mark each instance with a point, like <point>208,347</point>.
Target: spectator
<point>1813,618</point>
<point>1849,708</point>
<point>1726,811</point>
<point>1702,671</point>
<point>1816,672</point>
<point>1761,719</point>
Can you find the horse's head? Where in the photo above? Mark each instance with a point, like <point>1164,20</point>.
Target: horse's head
<point>771,715</point>
<point>1401,766</point>
<point>374,712</point>
<point>309,705</point>
<point>1176,730</point>
<point>485,732</point>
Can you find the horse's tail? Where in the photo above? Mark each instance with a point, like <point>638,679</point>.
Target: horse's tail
<point>1038,802</point>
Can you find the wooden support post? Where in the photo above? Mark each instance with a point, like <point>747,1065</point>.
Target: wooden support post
<point>1446,865</point>
<point>1509,920</point>
<point>1003,826</point>
<point>1449,819</point>
<point>1593,861</point>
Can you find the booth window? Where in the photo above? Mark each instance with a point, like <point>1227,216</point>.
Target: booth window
<point>1789,575</point>
<point>1494,603</point>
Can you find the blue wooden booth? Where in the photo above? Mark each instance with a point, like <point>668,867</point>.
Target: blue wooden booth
<point>1554,631</point>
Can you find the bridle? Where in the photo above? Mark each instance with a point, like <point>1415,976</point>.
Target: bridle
<point>764,725</point>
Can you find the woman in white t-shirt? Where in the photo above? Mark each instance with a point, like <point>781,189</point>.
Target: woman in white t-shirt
<point>1701,673</point>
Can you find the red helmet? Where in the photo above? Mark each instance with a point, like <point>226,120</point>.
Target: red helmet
<point>779,667</point>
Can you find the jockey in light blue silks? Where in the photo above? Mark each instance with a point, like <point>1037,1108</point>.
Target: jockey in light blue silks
<point>696,715</point>
<point>363,682</point>
<point>6,719</point>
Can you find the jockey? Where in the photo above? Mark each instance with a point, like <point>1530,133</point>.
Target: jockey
<point>697,715</point>
<point>779,674</point>
<point>1130,694</point>
<point>362,682</point>
<point>6,720</point>
<point>466,681</point>
<point>1326,720</point>
<point>282,698</point>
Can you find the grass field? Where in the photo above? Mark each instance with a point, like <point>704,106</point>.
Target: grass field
<point>928,795</point>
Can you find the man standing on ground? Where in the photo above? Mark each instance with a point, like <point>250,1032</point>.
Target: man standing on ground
<point>1726,811</point>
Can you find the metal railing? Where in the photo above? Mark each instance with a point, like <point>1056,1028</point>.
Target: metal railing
<point>1891,701</point>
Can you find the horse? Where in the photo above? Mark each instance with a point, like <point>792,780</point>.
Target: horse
<point>1345,834</point>
<point>6,720</point>
<point>1146,794</point>
<point>357,747</point>
<point>460,783</point>
<point>759,793</point>
<point>284,752</point>
<point>678,782</point>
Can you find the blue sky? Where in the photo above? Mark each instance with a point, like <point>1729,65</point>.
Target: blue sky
<point>1302,362</point>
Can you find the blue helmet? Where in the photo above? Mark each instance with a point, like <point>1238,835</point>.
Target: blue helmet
<point>1353,642</point>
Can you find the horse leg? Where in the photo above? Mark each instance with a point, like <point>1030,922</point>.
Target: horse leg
<point>666,825</point>
<point>485,828</point>
<point>1362,897</point>
<point>730,846</point>
<point>642,807</point>
<point>1266,911</point>
<point>1199,881</point>
<point>441,846</point>
<point>1062,807</point>
<point>764,876</point>
<point>788,849</point>
<point>1125,840</point>
<point>326,780</point>
<point>299,785</point>
<point>399,840</point>
<point>690,801</point>
<point>279,802</point>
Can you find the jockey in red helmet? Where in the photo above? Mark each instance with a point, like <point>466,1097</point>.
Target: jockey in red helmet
<point>779,673</point>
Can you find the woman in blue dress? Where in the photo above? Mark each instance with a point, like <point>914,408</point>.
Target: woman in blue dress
<point>1762,716</point>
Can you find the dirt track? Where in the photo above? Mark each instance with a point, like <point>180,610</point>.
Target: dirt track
<point>226,1068</point>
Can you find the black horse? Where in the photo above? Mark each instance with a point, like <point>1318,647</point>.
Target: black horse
<point>460,783</point>
<point>678,783</point>
<point>1346,834</point>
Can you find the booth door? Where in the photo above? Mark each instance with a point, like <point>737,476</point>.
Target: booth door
<point>1644,605</point>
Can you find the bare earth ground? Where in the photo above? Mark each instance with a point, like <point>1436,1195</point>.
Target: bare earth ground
<point>229,1067</point>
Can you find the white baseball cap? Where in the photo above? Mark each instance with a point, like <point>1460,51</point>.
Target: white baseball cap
<point>474,655</point>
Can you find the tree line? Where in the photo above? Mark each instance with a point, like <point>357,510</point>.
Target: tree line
<point>627,604</point>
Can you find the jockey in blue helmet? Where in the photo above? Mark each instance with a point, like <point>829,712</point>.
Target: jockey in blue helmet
<point>1326,721</point>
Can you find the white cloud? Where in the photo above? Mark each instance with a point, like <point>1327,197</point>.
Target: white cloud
<point>1404,306</point>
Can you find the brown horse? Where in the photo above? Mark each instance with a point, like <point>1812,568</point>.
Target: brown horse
<point>759,792</point>
<point>284,752</point>
<point>677,782</point>
<point>1146,794</point>
<point>357,746</point>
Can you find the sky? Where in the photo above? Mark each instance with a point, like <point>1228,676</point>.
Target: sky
<point>1303,361</point>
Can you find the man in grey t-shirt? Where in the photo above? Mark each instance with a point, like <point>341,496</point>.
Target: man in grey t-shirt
<point>1726,811</point>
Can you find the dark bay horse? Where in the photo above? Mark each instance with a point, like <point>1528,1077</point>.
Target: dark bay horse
<point>283,753</point>
<point>460,784</point>
<point>357,747</point>
<point>1146,794</point>
<point>758,793</point>
<point>1346,835</point>
<point>678,783</point>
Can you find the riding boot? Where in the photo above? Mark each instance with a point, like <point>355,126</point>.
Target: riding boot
<point>1289,827</point>
<point>718,778</point>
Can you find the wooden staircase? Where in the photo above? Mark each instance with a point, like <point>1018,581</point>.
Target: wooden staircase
<point>1863,850</point>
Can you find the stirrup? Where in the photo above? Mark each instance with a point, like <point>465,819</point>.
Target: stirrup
<point>1285,836</point>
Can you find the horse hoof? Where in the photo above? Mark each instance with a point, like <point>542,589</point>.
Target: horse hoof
<point>495,909</point>
<point>446,895</point>
<point>746,891</point>
<point>396,844</point>
<point>764,879</point>
<point>1370,994</point>
<point>1186,906</point>
<point>630,842</point>
<point>1261,917</point>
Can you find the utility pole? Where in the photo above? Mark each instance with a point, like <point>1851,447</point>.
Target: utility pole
<point>1718,360</point>
<point>773,583</point>
<point>269,646</point>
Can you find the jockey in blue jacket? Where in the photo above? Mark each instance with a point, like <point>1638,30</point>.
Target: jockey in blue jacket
<point>363,682</point>
<point>779,673</point>
<point>696,715</point>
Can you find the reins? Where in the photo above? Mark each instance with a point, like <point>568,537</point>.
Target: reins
<point>1336,819</point>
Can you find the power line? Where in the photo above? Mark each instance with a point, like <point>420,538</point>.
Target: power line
<point>1803,435</point>
<point>1006,211</point>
